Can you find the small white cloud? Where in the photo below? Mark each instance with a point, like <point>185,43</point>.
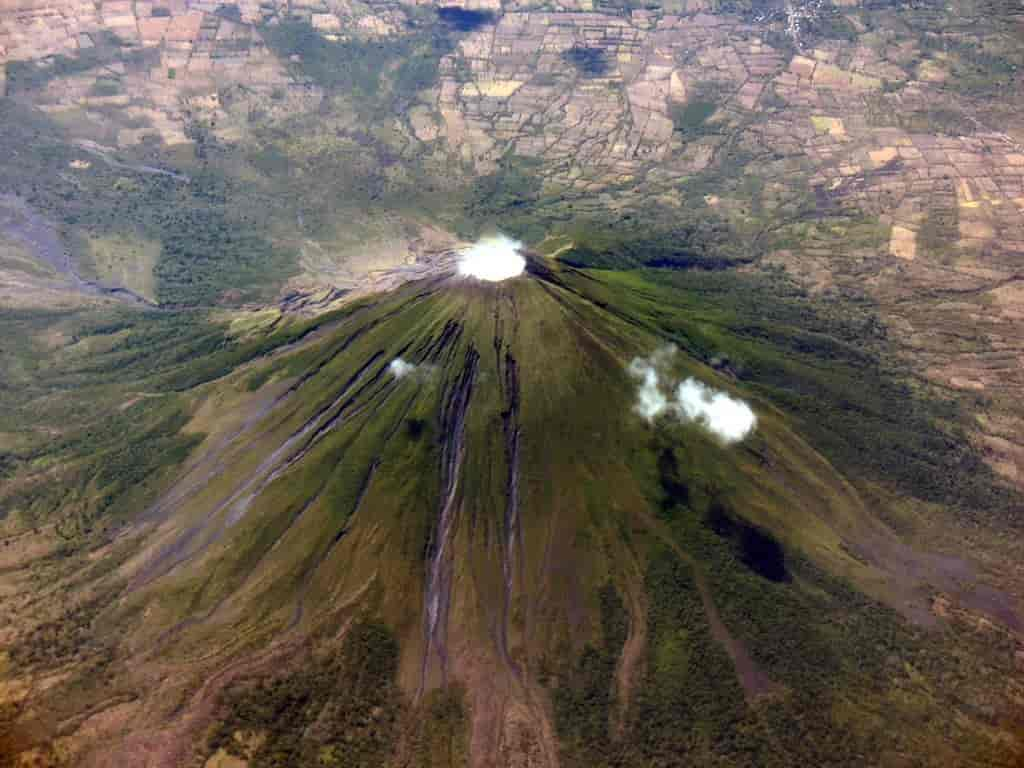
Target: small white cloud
<point>651,402</point>
<point>726,417</point>
<point>400,368</point>
<point>723,415</point>
<point>493,258</point>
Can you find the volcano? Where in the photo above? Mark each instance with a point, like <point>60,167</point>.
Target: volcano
<point>511,384</point>
<point>435,526</point>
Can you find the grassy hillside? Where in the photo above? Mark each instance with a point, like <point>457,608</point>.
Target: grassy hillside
<point>530,565</point>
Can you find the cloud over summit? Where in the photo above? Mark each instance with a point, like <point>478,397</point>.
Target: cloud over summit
<point>493,258</point>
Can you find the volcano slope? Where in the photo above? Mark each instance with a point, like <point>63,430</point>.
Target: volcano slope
<point>491,557</point>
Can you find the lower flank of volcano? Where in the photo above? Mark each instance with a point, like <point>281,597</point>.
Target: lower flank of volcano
<point>446,527</point>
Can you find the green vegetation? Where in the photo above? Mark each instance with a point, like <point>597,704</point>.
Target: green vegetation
<point>938,232</point>
<point>830,23</point>
<point>204,253</point>
<point>834,379</point>
<point>441,730</point>
<point>133,368</point>
<point>350,66</point>
<point>689,696</point>
<point>340,708</point>
<point>696,242</point>
<point>689,119</point>
<point>850,660</point>
<point>509,196</point>
<point>214,246</point>
<point>378,75</point>
<point>979,68</point>
<point>106,87</point>
<point>70,637</point>
<point>942,120</point>
<point>584,694</point>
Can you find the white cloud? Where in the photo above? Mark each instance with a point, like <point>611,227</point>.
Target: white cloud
<point>723,415</point>
<point>493,258</point>
<point>726,417</point>
<point>400,368</point>
<point>651,402</point>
